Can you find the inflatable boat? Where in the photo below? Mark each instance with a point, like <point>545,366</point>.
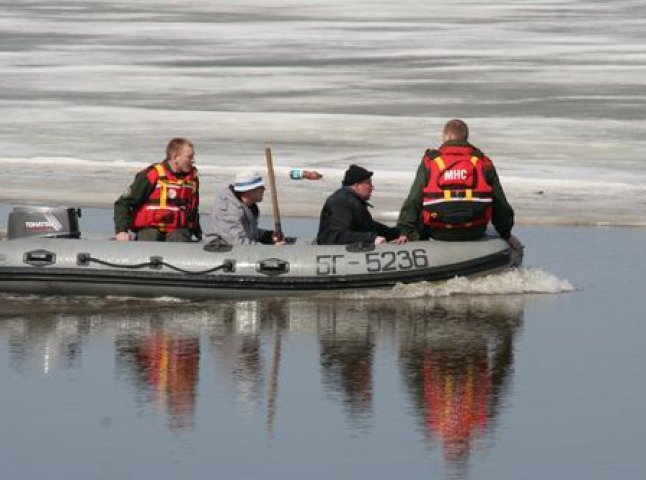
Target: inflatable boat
<point>45,254</point>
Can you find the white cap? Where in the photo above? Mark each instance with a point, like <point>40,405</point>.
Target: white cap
<point>247,180</point>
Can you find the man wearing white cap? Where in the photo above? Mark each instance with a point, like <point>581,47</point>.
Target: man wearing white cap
<point>235,212</point>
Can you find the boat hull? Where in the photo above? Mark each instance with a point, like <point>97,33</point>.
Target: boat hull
<point>103,267</point>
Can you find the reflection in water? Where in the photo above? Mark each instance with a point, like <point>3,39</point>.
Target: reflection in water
<point>456,360</point>
<point>46,344</point>
<point>347,341</point>
<point>454,355</point>
<point>163,362</point>
<point>235,340</point>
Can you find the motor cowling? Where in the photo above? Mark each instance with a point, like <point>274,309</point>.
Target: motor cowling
<point>51,222</point>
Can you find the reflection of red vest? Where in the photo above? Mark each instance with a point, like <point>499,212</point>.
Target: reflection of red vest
<point>173,204</point>
<point>457,194</point>
<point>457,401</point>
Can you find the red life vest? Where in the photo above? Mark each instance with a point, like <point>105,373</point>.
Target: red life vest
<point>457,194</point>
<point>172,205</point>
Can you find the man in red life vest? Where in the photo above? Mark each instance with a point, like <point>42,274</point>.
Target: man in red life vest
<point>162,202</point>
<point>456,193</point>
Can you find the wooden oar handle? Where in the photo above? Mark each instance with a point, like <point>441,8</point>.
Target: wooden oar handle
<point>278,229</point>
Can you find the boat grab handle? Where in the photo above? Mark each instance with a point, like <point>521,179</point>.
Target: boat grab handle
<point>359,247</point>
<point>39,258</point>
<point>272,266</point>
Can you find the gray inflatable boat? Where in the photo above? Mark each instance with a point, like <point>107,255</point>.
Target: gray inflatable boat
<point>45,254</point>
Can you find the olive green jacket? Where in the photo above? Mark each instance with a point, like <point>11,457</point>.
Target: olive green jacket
<point>410,216</point>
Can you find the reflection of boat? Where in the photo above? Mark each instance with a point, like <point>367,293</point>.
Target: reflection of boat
<point>445,363</point>
<point>33,263</point>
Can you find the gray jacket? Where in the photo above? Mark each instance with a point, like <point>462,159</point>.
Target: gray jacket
<point>234,221</point>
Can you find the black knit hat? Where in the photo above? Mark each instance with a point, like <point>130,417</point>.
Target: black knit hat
<point>355,174</point>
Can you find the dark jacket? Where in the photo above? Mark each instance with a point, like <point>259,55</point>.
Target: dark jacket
<point>410,216</point>
<point>345,219</point>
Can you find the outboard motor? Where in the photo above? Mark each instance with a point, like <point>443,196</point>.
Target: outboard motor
<point>52,222</point>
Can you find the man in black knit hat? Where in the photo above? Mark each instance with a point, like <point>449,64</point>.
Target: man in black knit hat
<point>345,217</point>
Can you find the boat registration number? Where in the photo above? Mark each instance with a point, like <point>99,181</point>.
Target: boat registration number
<point>389,261</point>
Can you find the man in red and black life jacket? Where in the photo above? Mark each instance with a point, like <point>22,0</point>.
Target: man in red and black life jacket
<point>456,193</point>
<point>162,202</point>
<point>345,217</point>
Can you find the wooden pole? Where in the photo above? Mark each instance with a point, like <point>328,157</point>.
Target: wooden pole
<point>278,229</point>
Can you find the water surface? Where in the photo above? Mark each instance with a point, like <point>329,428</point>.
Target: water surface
<point>515,385</point>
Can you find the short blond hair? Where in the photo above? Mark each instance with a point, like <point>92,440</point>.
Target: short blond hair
<point>175,145</point>
<point>456,129</point>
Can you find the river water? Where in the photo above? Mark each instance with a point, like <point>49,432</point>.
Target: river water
<point>533,373</point>
<point>435,382</point>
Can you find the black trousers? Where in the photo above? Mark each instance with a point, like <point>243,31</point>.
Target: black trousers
<point>154,235</point>
<point>454,234</point>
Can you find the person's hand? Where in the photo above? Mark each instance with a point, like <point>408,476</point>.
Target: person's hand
<point>515,244</point>
<point>380,240</point>
<point>123,237</point>
<point>278,240</point>
<point>400,240</point>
